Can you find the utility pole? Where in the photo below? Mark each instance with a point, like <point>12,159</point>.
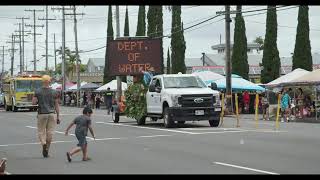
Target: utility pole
<point>12,51</point>
<point>46,19</point>
<point>22,32</point>
<point>63,51</point>
<point>74,14</point>
<point>55,50</point>
<point>2,70</point>
<point>21,41</point>
<point>34,37</point>
<point>119,82</point>
<point>228,58</point>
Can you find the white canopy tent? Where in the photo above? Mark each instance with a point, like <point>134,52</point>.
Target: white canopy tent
<point>295,74</point>
<point>74,87</point>
<point>55,85</point>
<point>113,86</point>
<point>208,76</point>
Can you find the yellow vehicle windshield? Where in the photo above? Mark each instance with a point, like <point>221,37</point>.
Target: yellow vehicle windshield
<point>27,85</point>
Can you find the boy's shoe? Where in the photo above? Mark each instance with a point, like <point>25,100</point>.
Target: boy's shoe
<point>45,151</point>
<point>69,157</point>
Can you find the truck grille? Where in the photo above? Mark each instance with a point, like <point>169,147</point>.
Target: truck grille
<point>197,100</point>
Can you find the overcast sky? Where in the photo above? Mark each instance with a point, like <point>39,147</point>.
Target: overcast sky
<point>92,28</point>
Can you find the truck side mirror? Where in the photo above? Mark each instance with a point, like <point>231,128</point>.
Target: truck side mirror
<point>214,86</point>
<point>152,88</point>
<point>158,89</point>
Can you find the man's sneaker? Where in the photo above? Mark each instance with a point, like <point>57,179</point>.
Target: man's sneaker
<point>45,151</point>
<point>69,157</point>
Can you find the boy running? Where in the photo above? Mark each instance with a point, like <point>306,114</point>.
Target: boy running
<point>83,123</point>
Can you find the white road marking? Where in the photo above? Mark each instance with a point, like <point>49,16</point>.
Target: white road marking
<point>205,129</point>
<point>246,168</point>
<point>34,143</point>
<point>221,132</point>
<point>59,132</point>
<point>153,136</point>
<point>142,127</point>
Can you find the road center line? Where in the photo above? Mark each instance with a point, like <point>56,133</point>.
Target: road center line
<point>246,168</point>
<point>219,132</point>
<point>141,127</point>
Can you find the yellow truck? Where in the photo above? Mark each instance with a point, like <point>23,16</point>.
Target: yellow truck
<point>19,91</point>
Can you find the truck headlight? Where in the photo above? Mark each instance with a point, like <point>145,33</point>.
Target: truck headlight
<point>175,101</point>
<point>218,101</point>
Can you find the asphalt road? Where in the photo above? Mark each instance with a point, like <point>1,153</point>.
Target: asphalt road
<point>192,148</point>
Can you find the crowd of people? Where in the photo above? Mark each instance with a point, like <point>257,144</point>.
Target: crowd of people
<point>296,104</point>
<point>91,99</point>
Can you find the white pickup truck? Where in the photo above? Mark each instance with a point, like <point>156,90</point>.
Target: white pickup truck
<point>180,98</point>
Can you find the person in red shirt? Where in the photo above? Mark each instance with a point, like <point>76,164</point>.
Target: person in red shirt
<point>246,101</point>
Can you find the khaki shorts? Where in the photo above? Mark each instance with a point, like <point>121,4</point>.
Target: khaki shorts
<point>46,125</point>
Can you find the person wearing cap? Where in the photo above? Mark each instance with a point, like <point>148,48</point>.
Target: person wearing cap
<point>148,75</point>
<point>48,105</point>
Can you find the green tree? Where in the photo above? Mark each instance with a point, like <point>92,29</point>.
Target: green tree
<point>155,26</point>
<point>259,40</point>
<point>70,67</point>
<point>270,60</point>
<point>178,44</point>
<point>126,24</point>
<point>106,77</point>
<point>168,62</point>
<point>239,56</point>
<point>141,25</point>
<point>302,57</point>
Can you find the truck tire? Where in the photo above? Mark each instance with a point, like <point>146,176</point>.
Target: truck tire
<point>214,123</point>
<point>141,121</point>
<point>167,120</point>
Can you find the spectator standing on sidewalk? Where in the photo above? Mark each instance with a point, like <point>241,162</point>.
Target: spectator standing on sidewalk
<point>108,99</point>
<point>285,105</point>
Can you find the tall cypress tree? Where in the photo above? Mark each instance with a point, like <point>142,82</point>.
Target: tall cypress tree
<point>270,60</point>
<point>155,26</point>
<point>302,57</point>
<point>177,42</point>
<point>239,56</point>
<point>168,62</point>
<point>126,24</point>
<point>106,77</point>
<point>141,25</point>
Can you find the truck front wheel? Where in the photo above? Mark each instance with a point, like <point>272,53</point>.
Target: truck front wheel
<point>167,120</point>
<point>214,123</point>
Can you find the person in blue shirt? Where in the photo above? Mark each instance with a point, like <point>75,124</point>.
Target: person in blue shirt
<point>148,75</point>
<point>285,105</point>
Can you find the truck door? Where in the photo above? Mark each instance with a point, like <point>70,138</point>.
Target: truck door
<point>157,97</point>
<point>150,98</point>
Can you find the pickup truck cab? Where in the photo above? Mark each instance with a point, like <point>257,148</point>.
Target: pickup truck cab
<point>180,98</point>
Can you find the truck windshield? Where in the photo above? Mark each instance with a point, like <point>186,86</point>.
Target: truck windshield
<point>183,82</point>
<point>28,85</point>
